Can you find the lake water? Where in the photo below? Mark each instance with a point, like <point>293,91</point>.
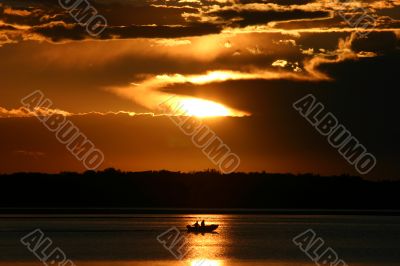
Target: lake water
<point>241,239</point>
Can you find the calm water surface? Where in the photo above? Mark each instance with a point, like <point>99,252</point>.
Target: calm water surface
<point>242,240</point>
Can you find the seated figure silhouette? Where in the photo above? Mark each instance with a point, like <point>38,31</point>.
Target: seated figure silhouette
<point>203,224</point>
<point>196,224</point>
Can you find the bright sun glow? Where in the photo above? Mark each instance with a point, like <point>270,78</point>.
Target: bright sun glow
<point>205,262</point>
<point>212,76</point>
<point>203,108</point>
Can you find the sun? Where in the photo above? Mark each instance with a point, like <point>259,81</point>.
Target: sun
<point>205,262</point>
<point>191,106</point>
<point>203,108</point>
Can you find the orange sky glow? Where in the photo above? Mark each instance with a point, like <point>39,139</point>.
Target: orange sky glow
<point>238,66</point>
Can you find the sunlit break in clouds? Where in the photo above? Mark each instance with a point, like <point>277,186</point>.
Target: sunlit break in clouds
<point>202,108</point>
<point>187,106</point>
<point>149,94</point>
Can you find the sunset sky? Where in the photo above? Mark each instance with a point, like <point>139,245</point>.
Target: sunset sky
<point>245,62</point>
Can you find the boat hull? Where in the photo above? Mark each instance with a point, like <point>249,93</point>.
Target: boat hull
<point>202,229</point>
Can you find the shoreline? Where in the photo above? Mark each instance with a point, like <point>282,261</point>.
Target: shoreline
<point>126,212</point>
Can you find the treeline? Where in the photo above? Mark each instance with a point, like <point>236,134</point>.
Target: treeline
<point>208,189</point>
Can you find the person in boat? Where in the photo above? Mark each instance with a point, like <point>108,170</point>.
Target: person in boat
<point>196,225</point>
<point>203,224</point>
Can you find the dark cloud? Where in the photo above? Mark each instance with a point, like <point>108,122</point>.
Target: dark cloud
<point>378,42</point>
<point>118,14</point>
<point>393,12</point>
<point>7,28</point>
<point>278,2</point>
<point>173,19</point>
<point>54,23</point>
<point>61,32</point>
<point>255,17</point>
<point>29,15</point>
<point>160,31</point>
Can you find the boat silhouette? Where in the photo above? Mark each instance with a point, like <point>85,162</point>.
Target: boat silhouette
<point>202,229</point>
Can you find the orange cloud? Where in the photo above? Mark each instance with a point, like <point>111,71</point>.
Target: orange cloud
<point>16,12</point>
<point>24,112</point>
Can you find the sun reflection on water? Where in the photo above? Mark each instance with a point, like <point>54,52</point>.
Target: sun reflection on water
<point>207,249</point>
<point>206,262</point>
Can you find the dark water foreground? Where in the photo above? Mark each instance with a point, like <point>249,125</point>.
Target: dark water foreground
<point>241,239</point>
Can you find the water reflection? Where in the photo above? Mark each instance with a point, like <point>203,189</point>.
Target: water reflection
<point>251,240</point>
<point>208,249</point>
<point>206,262</point>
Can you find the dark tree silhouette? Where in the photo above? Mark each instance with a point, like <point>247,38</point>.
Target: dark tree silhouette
<point>115,190</point>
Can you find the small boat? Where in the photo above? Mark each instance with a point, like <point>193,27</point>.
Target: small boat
<point>202,229</point>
